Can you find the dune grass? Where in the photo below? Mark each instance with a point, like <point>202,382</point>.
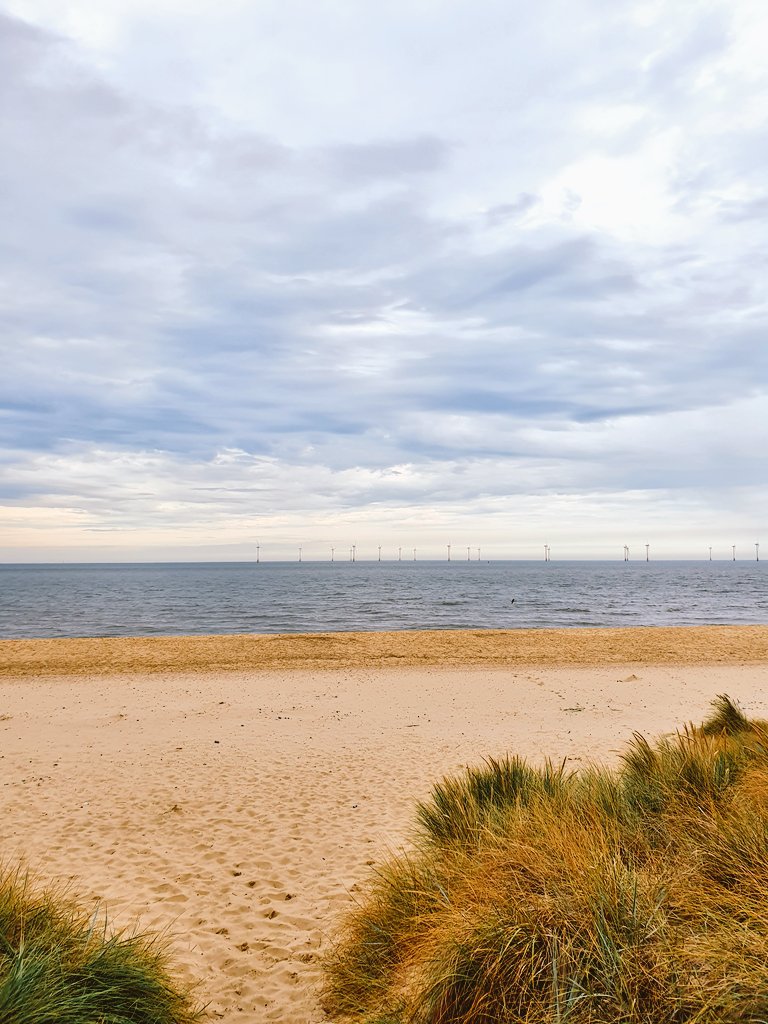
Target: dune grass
<point>59,964</point>
<point>632,896</point>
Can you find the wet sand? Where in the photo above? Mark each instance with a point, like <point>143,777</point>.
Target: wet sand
<point>238,790</point>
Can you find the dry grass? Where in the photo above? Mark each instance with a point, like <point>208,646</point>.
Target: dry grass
<point>637,896</point>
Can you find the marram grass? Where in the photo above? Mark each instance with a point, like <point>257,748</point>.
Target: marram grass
<point>539,896</point>
<point>60,965</point>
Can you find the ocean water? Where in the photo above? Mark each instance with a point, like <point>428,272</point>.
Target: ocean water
<point>291,597</point>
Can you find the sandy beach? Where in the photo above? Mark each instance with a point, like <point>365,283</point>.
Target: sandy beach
<point>235,791</point>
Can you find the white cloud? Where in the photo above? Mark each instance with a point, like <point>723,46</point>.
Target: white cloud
<point>315,268</point>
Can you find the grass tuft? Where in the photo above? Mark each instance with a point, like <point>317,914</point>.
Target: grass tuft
<point>726,718</point>
<point>60,964</point>
<point>462,809</point>
<point>541,896</point>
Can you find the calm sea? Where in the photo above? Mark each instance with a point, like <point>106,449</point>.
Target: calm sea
<point>282,597</point>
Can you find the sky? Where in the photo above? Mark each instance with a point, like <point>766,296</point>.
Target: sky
<point>315,273</point>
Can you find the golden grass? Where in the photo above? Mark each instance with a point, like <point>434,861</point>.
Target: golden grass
<point>637,896</point>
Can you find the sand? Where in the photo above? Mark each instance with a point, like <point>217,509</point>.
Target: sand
<point>241,808</point>
<point>662,645</point>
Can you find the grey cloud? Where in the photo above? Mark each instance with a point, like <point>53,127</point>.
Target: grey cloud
<point>186,287</point>
<point>503,213</point>
<point>395,159</point>
<point>458,281</point>
<point>733,211</point>
<point>22,45</point>
<point>383,233</point>
<point>693,39</point>
<point>105,216</point>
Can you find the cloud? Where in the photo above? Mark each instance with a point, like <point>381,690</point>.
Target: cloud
<point>306,265</point>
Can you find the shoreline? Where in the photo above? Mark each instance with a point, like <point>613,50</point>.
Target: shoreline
<point>647,645</point>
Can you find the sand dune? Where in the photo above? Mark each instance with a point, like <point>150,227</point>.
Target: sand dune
<point>240,809</point>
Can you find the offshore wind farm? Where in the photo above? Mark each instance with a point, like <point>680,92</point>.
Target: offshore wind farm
<point>304,596</point>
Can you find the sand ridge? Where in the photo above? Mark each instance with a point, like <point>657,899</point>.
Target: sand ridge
<point>646,645</point>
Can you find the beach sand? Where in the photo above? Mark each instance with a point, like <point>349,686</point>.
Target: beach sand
<point>236,791</point>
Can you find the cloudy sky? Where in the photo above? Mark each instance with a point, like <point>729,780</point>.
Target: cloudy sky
<point>323,272</point>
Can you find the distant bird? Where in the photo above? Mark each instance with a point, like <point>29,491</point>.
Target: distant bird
<point>512,601</point>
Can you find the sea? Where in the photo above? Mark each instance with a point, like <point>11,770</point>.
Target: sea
<point>172,599</point>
